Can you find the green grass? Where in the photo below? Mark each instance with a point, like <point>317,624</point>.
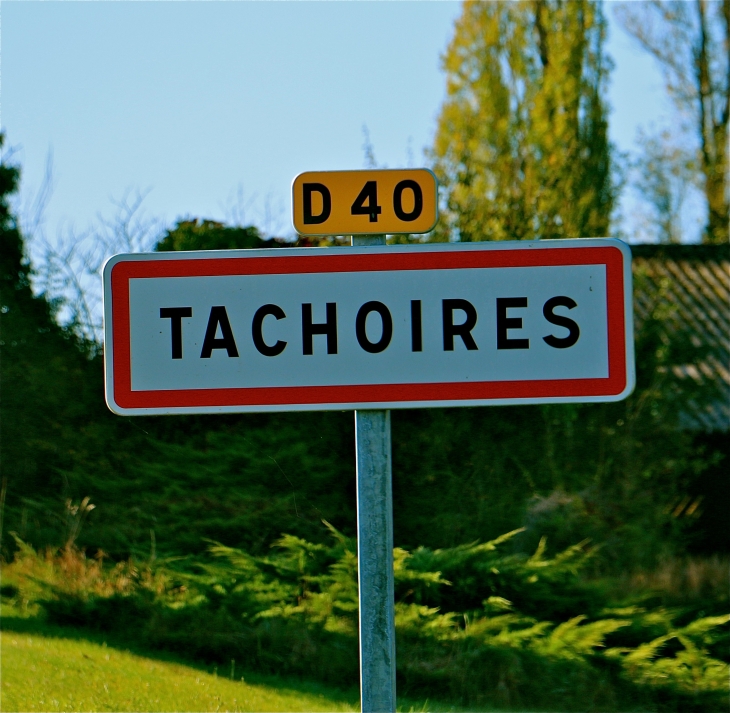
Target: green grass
<point>49,674</point>
<point>51,668</point>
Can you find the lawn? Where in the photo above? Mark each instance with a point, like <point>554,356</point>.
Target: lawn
<point>45,668</point>
<point>53,674</point>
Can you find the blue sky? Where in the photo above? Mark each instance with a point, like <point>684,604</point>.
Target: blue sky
<point>191,101</point>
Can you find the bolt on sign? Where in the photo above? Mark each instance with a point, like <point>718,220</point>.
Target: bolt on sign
<point>365,202</point>
<point>368,328</point>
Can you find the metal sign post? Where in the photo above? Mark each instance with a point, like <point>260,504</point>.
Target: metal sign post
<point>375,552</point>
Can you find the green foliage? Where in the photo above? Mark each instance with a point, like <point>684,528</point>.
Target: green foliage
<point>52,416</point>
<point>689,668</point>
<point>294,611</point>
<point>613,473</point>
<point>522,148</point>
<point>164,483</point>
<point>242,479</point>
<point>479,573</point>
<point>200,234</point>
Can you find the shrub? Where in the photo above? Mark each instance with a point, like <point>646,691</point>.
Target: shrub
<point>294,611</point>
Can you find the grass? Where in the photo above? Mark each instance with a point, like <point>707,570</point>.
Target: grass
<point>684,579</point>
<point>51,668</point>
<point>50,674</point>
<point>41,674</point>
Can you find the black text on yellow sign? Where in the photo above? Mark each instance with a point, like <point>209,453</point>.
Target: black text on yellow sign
<point>365,202</point>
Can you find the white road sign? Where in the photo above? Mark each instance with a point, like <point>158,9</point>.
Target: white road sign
<point>378,327</point>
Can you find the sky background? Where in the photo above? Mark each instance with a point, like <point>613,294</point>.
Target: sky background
<point>214,107</point>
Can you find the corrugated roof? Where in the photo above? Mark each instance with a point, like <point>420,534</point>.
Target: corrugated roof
<point>695,279</point>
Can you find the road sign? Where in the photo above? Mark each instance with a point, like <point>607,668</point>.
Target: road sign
<point>364,202</point>
<point>463,324</point>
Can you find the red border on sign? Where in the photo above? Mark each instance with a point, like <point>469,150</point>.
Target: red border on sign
<point>609,256</point>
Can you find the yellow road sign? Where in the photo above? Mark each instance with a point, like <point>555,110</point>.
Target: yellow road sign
<point>365,202</point>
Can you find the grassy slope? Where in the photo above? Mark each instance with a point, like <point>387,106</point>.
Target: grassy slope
<point>47,674</point>
<point>50,668</point>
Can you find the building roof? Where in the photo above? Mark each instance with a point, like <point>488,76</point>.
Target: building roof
<point>695,280</point>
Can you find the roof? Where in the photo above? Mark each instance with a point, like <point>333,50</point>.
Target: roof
<point>695,281</point>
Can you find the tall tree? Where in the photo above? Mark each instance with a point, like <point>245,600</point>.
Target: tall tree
<point>51,382</point>
<point>691,43</point>
<point>521,147</point>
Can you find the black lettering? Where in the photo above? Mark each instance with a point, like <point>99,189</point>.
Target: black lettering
<point>307,190</point>
<point>329,328</point>
<point>368,193</point>
<point>417,200</point>
<point>505,323</point>
<point>462,330</point>
<point>257,330</point>
<point>560,321</point>
<point>175,315</point>
<point>361,319</point>
<point>218,316</point>
<point>416,329</point>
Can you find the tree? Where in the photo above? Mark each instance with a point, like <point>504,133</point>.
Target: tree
<point>51,382</point>
<point>521,147</point>
<point>665,172</point>
<point>691,43</point>
<point>197,234</point>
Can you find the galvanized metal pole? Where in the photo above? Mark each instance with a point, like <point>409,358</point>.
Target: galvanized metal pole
<point>375,552</point>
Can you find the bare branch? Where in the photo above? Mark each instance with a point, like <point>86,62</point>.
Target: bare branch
<point>237,207</point>
<point>69,271</point>
<point>33,218</point>
<point>691,42</point>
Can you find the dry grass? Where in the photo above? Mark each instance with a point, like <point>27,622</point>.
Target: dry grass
<point>685,579</point>
<point>69,570</point>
